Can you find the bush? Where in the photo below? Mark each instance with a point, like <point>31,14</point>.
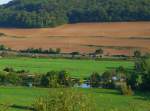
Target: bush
<point>107,81</point>
<point>56,79</point>
<point>22,71</point>
<point>8,69</point>
<point>3,78</point>
<point>126,90</point>
<point>4,107</point>
<point>63,79</point>
<point>64,100</point>
<point>2,34</point>
<point>4,48</point>
<point>13,78</point>
<point>95,79</point>
<point>10,78</point>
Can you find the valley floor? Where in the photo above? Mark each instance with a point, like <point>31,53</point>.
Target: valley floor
<point>75,68</point>
<point>105,99</point>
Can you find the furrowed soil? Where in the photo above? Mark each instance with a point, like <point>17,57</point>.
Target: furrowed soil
<point>114,38</point>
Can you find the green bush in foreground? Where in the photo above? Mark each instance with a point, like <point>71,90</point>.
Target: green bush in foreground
<point>64,100</point>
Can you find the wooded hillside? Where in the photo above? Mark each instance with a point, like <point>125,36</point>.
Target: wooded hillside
<point>50,13</point>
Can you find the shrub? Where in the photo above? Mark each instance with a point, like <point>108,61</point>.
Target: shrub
<point>4,107</point>
<point>56,79</point>
<point>58,50</point>
<point>7,78</point>
<point>8,69</point>
<point>99,51</point>
<point>13,78</point>
<point>2,34</point>
<point>126,90</point>
<point>95,80</point>
<point>107,81</point>
<point>64,100</point>
<point>3,78</point>
<point>50,79</point>
<point>63,79</point>
<point>22,71</point>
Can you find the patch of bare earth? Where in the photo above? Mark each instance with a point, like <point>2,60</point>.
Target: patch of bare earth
<point>83,37</point>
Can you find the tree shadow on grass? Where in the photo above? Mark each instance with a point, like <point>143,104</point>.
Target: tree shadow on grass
<point>113,92</point>
<point>142,96</point>
<point>19,107</point>
<point>112,68</point>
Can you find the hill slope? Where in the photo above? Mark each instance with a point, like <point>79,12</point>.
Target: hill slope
<point>50,13</point>
<point>114,38</point>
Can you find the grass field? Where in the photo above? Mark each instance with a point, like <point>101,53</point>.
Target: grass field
<point>20,95</point>
<point>105,99</point>
<point>77,68</point>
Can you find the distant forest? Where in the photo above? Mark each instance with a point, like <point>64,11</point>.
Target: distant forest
<point>51,13</point>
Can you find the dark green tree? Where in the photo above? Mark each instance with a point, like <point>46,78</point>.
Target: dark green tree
<point>51,13</point>
<point>95,80</point>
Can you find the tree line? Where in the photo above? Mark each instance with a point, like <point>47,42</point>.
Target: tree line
<point>51,13</point>
<point>137,78</point>
<point>41,51</point>
<point>63,97</point>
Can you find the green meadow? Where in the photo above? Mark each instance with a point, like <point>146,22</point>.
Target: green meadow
<point>105,99</point>
<point>76,68</point>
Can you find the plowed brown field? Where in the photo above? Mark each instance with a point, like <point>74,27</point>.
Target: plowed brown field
<point>119,37</point>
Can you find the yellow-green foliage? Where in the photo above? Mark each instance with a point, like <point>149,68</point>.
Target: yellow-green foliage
<point>4,107</point>
<point>65,100</point>
<point>126,90</point>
